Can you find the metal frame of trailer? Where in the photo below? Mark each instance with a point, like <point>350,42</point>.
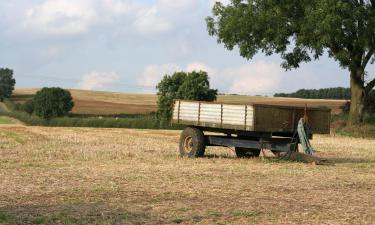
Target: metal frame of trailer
<point>281,136</point>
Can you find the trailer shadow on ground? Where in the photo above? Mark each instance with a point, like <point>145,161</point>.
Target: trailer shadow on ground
<point>327,161</point>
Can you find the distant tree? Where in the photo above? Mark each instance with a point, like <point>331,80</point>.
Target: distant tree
<point>7,83</point>
<point>302,31</point>
<point>52,102</point>
<point>28,106</point>
<point>324,93</point>
<point>181,85</point>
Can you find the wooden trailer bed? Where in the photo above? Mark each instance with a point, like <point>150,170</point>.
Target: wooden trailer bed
<point>250,117</point>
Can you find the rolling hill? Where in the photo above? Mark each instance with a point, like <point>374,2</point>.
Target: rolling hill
<point>111,103</point>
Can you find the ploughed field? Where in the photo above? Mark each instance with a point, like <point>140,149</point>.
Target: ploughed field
<point>121,176</point>
<point>110,103</point>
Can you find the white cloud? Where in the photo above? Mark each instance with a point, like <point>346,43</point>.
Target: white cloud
<point>119,7</point>
<point>61,17</point>
<point>68,17</point>
<point>151,21</point>
<point>152,74</point>
<point>98,80</point>
<point>198,66</point>
<point>160,16</point>
<point>177,5</point>
<point>259,77</point>
<point>255,78</point>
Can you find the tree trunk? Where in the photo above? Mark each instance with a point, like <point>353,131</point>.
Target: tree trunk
<point>358,98</point>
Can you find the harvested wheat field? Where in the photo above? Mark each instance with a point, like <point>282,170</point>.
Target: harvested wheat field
<point>100,102</point>
<point>120,176</point>
<point>110,103</point>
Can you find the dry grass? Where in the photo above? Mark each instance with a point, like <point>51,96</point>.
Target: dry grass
<point>120,176</point>
<point>105,103</point>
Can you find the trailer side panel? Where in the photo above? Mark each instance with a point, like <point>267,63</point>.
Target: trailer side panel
<point>258,118</point>
<point>237,117</point>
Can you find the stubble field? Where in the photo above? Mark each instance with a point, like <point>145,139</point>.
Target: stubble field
<point>110,103</point>
<point>121,176</point>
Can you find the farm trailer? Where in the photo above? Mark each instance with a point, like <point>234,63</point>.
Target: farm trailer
<point>248,128</point>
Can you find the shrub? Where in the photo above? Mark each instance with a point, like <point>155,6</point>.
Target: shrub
<point>28,106</point>
<point>52,102</point>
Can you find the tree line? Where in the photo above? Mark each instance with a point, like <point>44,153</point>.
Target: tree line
<point>323,93</point>
<point>339,93</point>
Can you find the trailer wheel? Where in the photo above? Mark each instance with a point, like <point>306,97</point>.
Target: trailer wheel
<point>247,152</point>
<point>192,143</point>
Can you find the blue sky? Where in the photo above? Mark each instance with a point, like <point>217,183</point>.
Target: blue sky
<point>128,45</point>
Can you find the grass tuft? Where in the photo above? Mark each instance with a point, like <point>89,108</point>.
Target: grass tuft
<point>5,218</point>
<point>244,213</point>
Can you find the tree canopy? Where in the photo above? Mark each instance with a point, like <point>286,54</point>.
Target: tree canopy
<point>301,31</point>
<point>7,83</point>
<point>180,85</point>
<point>52,102</point>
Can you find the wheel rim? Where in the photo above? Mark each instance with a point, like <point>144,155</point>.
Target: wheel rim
<point>188,144</point>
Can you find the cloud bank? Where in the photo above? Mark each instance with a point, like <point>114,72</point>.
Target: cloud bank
<point>258,77</point>
<point>98,80</point>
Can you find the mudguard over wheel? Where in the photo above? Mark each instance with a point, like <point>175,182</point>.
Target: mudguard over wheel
<point>192,143</point>
<point>247,152</point>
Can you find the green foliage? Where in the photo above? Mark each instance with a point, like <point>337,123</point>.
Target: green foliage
<point>167,92</point>
<point>7,83</point>
<point>196,86</point>
<point>6,120</point>
<point>181,85</point>
<point>297,30</point>
<point>302,31</point>
<point>24,117</point>
<point>28,106</point>
<point>324,93</point>
<point>5,218</point>
<point>136,122</point>
<point>52,102</point>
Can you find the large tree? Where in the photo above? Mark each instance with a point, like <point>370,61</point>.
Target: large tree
<point>301,31</point>
<point>180,85</point>
<point>52,102</point>
<point>7,83</point>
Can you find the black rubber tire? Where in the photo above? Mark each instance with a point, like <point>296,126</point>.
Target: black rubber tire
<point>247,152</point>
<point>197,143</point>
